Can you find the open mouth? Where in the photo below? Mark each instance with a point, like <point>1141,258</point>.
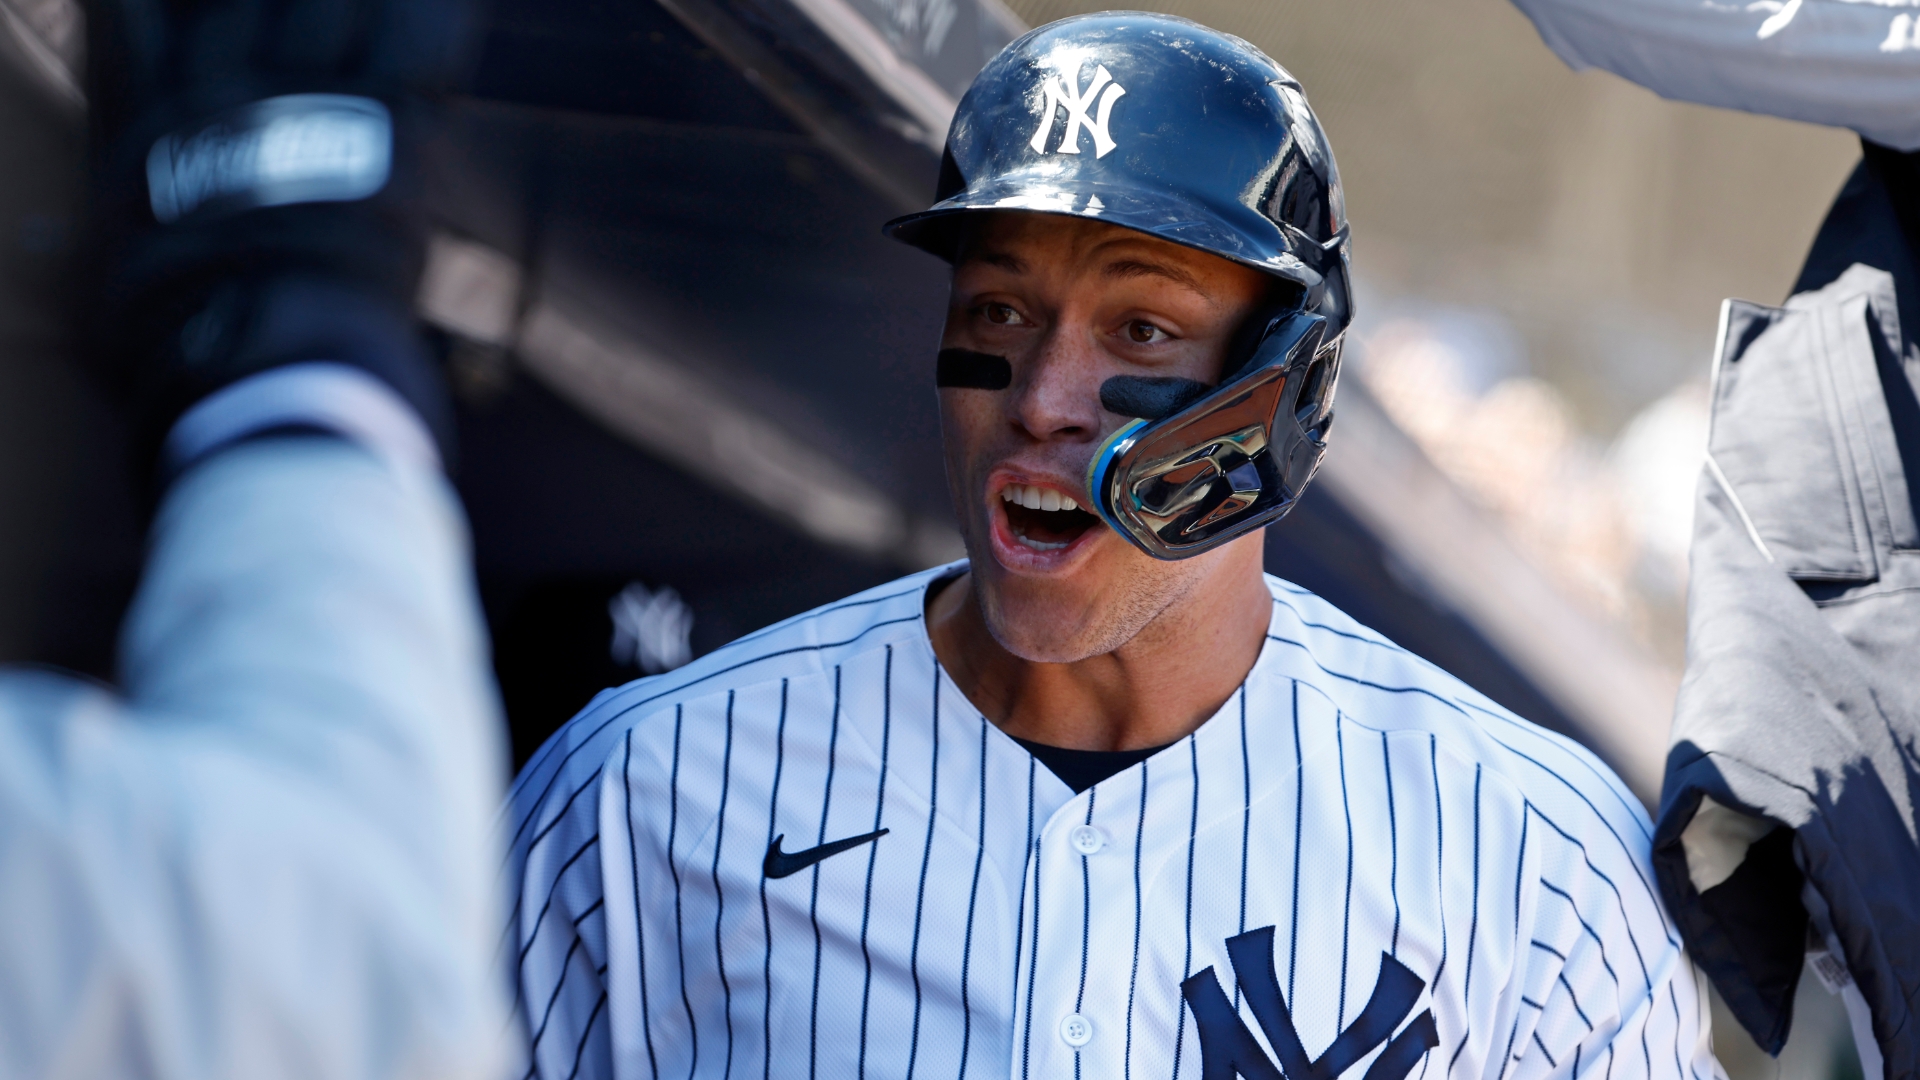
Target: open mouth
<point>1044,519</point>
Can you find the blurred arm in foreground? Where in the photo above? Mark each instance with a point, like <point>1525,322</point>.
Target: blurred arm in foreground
<point>269,854</point>
<point>1844,63</point>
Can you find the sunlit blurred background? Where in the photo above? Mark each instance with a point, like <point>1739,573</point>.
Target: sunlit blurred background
<point>1539,254</point>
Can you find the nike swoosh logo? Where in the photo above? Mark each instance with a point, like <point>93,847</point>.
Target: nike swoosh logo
<point>781,864</point>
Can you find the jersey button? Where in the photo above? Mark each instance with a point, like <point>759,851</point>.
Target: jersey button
<point>1087,840</point>
<point>1076,1030</point>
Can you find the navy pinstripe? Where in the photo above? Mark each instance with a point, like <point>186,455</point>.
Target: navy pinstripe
<point>1086,923</point>
<point>1346,907</point>
<point>1246,824</point>
<point>1133,972</point>
<point>1439,850</point>
<point>1033,960</point>
<point>813,901</point>
<point>973,901</point>
<point>920,892</point>
<point>1299,819</point>
<point>1393,840</point>
<point>1193,836</point>
<point>646,1010</point>
<point>1473,924</point>
<point>766,913</point>
<point>873,855</point>
<point>673,868</point>
<point>580,1048</point>
<point>720,904</point>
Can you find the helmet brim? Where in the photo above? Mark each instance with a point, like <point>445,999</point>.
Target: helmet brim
<point>1157,213</point>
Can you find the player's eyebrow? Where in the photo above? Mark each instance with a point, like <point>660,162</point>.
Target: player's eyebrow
<point>1121,269</point>
<point>1004,260</point>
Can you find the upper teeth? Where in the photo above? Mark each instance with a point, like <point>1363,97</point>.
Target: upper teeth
<point>1037,498</point>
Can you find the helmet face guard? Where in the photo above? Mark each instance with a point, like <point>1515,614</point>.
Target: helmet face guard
<point>1234,460</point>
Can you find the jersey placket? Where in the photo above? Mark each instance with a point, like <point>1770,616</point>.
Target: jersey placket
<point>1113,906</point>
<point>1076,1015</point>
<point>1053,1028</point>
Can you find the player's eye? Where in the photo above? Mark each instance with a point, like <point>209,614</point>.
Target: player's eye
<point>1145,333</point>
<point>1002,315</point>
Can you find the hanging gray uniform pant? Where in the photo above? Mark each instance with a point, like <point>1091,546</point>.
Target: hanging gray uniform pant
<point>1795,768</point>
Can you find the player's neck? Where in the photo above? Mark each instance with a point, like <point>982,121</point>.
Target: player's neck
<point>1156,689</point>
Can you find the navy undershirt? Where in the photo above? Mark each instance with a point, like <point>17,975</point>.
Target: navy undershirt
<point>1081,769</point>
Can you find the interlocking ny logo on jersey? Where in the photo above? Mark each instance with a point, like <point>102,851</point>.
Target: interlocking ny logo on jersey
<point>1228,1049</point>
<point>1062,94</point>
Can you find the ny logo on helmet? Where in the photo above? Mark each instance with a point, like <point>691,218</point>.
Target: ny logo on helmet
<point>1062,94</point>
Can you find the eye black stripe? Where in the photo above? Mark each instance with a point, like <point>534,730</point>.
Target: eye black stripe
<point>1149,397</point>
<point>964,369</point>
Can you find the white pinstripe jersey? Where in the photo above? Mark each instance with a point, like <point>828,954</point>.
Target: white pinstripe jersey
<point>1359,867</point>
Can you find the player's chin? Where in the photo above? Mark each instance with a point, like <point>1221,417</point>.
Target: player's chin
<point>1050,620</point>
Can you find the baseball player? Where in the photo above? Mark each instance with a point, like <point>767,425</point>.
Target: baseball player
<point>267,851</point>
<point>1103,800</point>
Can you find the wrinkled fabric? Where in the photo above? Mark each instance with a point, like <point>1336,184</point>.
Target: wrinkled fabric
<point>1845,63</point>
<point>271,854</point>
<point>1801,701</point>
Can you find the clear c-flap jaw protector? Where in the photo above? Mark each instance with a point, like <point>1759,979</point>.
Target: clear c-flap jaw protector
<point>1230,462</point>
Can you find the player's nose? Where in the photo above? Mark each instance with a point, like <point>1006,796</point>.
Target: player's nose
<point>1057,396</point>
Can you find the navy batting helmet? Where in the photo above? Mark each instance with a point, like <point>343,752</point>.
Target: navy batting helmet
<point>1162,125</point>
